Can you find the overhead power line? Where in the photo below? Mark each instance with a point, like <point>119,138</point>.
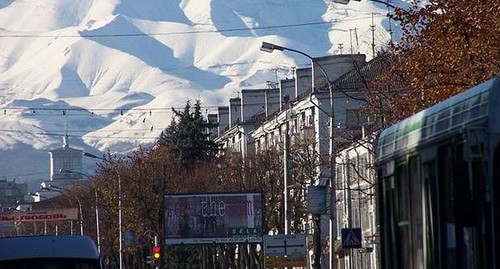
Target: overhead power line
<point>61,134</point>
<point>97,109</point>
<point>191,32</point>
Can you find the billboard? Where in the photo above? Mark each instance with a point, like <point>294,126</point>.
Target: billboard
<point>40,215</point>
<point>213,218</point>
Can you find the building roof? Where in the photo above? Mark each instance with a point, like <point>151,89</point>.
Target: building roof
<point>47,246</point>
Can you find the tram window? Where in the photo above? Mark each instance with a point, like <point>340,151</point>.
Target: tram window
<point>460,212</point>
<point>484,104</point>
<point>403,217</point>
<point>443,122</point>
<point>474,109</point>
<point>403,191</point>
<point>416,210</point>
<point>460,113</point>
<point>391,247</point>
<point>428,129</point>
<point>430,204</point>
<point>496,205</point>
<point>464,206</point>
<point>446,214</point>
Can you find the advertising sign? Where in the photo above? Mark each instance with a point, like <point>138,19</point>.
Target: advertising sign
<point>40,215</point>
<point>316,199</point>
<point>213,218</point>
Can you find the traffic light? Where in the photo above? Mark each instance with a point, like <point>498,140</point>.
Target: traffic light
<point>156,255</point>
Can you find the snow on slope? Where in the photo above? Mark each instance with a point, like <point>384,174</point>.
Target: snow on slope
<point>108,72</point>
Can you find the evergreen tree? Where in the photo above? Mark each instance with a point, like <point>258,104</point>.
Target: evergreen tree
<point>188,136</point>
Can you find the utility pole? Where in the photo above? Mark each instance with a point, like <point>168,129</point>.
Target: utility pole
<point>350,40</point>
<point>157,253</point>
<point>98,238</point>
<point>269,47</point>
<point>120,239</point>
<point>286,177</point>
<point>65,191</point>
<point>372,27</point>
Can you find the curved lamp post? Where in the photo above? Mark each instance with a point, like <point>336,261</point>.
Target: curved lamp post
<point>269,47</point>
<point>64,191</point>
<point>96,206</point>
<point>39,199</point>
<point>119,207</point>
<point>37,194</point>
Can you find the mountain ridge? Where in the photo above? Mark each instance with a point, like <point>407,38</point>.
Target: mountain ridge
<point>107,74</point>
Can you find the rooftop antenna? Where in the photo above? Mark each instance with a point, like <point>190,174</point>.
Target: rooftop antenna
<point>276,77</point>
<point>270,84</point>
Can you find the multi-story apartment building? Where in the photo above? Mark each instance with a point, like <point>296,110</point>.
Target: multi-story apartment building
<point>324,110</point>
<point>12,194</point>
<point>356,201</point>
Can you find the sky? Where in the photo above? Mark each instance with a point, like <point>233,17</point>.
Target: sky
<point>107,73</point>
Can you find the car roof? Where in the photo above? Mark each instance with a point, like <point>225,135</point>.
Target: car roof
<point>47,246</point>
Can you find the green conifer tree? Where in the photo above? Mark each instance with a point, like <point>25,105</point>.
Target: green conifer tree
<point>188,136</point>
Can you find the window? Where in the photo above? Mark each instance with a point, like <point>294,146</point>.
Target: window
<point>354,122</point>
<point>402,216</point>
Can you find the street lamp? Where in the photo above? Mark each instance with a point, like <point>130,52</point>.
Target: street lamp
<point>119,206</point>
<point>64,191</point>
<point>96,206</point>
<point>269,47</point>
<point>40,197</point>
<point>37,194</point>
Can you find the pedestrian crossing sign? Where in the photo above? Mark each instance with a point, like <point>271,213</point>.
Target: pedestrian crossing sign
<point>351,238</point>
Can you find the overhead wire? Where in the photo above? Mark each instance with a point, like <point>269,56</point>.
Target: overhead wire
<point>93,111</point>
<point>187,32</point>
<point>62,134</point>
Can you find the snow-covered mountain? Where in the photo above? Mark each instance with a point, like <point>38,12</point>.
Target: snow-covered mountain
<point>108,72</point>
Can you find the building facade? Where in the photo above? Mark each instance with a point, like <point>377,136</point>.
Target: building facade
<point>12,194</point>
<point>356,202</point>
<point>65,170</point>
<point>322,110</point>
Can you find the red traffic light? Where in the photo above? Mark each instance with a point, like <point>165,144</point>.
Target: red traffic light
<point>156,252</point>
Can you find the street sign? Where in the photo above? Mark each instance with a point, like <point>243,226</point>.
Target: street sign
<point>288,261</point>
<point>129,238</point>
<point>351,238</point>
<point>316,199</point>
<point>143,239</point>
<point>285,245</point>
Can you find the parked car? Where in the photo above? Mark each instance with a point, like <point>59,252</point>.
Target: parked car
<point>49,252</point>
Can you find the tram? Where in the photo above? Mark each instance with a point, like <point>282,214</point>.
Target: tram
<point>438,175</point>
